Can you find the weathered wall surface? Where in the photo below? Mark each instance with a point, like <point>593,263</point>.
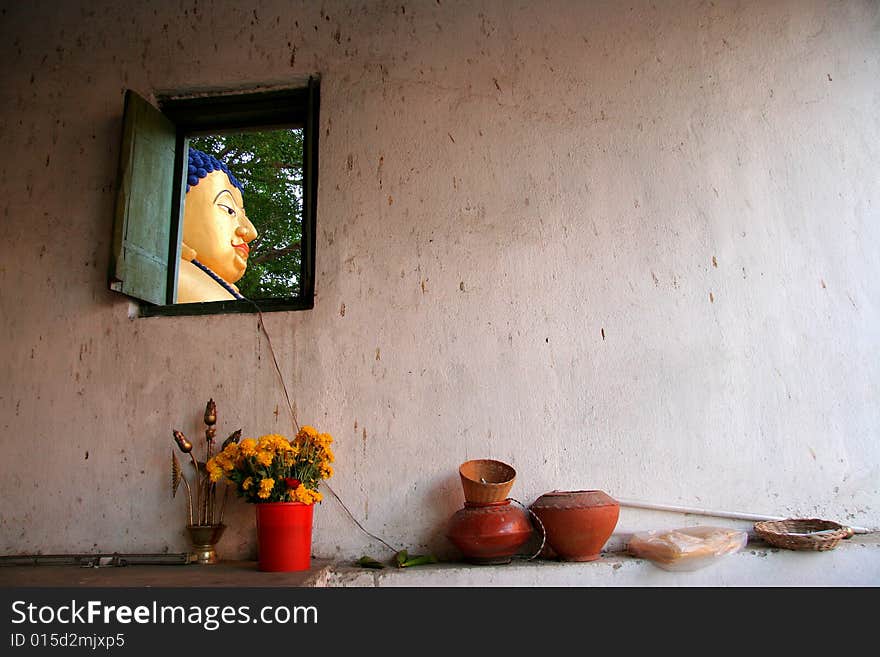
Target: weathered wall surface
<point>625,246</point>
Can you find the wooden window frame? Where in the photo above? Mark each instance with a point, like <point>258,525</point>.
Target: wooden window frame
<point>213,114</point>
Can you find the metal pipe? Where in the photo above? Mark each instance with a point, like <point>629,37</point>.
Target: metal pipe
<point>95,560</point>
<point>719,514</point>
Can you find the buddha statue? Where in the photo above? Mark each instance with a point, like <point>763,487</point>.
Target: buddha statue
<point>216,232</point>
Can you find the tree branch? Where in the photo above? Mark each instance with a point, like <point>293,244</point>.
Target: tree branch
<point>275,253</point>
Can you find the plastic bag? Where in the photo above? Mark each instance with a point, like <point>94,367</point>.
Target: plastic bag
<point>688,548</point>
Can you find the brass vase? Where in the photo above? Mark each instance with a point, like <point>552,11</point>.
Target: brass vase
<point>204,539</point>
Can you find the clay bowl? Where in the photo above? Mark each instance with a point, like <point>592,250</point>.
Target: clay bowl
<point>577,523</point>
<point>486,481</point>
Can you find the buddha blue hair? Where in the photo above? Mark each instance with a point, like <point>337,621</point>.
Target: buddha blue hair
<point>201,164</point>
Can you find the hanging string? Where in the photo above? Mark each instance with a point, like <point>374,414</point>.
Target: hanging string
<point>262,325</point>
<point>277,367</point>
<point>390,547</point>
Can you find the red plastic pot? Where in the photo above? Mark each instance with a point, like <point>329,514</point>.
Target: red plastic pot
<point>284,536</point>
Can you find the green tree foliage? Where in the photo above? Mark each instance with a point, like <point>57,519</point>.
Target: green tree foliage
<point>269,166</point>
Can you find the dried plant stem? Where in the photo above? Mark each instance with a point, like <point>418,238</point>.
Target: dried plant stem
<point>203,501</point>
<point>189,499</point>
<point>212,497</point>
<point>198,486</point>
<point>206,490</point>
<point>209,439</point>
<point>210,487</point>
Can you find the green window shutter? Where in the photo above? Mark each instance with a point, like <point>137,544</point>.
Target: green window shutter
<point>142,224</point>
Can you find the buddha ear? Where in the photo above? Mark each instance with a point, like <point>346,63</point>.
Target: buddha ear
<point>187,252</point>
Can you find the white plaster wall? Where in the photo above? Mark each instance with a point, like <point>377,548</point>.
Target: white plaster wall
<point>626,246</point>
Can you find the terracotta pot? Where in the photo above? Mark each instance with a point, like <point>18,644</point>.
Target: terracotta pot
<point>578,523</point>
<point>485,480</point>
<point>284,536</point>
<point>489,533</point>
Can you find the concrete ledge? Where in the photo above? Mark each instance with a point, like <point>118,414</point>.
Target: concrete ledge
<point>223,574</point>
<point>855,562</point>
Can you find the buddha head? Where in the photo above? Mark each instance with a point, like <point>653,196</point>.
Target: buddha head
<point>216,229</point>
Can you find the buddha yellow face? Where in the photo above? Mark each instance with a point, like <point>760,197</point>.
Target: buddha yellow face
<point>216,227</point>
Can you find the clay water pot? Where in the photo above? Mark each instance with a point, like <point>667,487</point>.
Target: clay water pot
<point>489,533</point>
<point>577,523</point>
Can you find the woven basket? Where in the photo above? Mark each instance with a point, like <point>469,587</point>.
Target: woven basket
<point>486,481</point>
<point>802,534</point>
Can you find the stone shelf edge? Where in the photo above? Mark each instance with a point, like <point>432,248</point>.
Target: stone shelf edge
<point>855,562</point>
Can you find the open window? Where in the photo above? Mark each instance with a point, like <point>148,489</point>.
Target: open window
<point>243,167</point>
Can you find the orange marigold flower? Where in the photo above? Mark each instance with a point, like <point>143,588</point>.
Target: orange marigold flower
<point>266,486</point>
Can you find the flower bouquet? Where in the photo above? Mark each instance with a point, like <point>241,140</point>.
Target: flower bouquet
<point>275,469</point>
<point>280,477</point>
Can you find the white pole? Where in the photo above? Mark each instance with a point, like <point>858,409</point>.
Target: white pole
<point>719,514</point>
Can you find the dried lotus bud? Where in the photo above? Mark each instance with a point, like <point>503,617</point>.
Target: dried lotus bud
<point>234,437</point>
<point>184,445</point>
<point>210,413</point>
